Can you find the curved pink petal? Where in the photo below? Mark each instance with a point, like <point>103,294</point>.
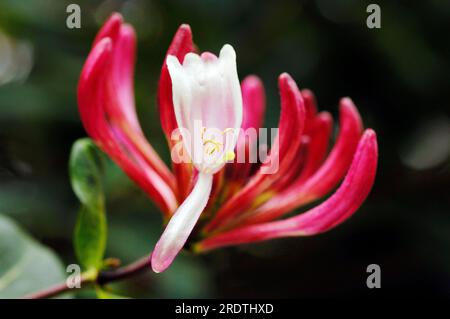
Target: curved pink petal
<point>296,167</point>
<point>320,133</point>
<point>301,191</point>
<point>336,209</point>
<point>310,108</point>
<point>254,103</point>
<point>121,109</point>
<point>254,100</point>
<point>106,106</point>
<point>109,28</point>
<point>181,45</point>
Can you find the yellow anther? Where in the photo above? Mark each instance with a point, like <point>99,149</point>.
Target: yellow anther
<point>212,142</point>
<point>203,132</point>
<point>215,146</point>
<point>229,156</point>
<point>229,129</point>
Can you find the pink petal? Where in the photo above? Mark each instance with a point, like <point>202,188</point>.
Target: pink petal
<point>296,167</point>
<point>208,56</point>
<point>254,100</point>
<point>320,132</point>
<point>181,45</point>
<point>254,103</point>
<point>121,109</point>
<point>336,209</point>
<point>107,112</point>
<point>301,192</point>
<point>109,28</point>
<point>310,108</point>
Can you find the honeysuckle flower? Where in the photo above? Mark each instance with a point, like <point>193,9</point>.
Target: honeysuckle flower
<point>206,95</point>
<point>213,200</point>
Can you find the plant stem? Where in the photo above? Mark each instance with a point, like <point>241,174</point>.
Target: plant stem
<point>130,270</point>
<point>103,277</point>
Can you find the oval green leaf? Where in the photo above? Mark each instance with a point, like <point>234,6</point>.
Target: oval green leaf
<point>26,266</point>
<point>91,228</point>
<point>85,167</point>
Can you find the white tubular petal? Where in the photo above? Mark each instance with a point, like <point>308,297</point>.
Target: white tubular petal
<point>206,89</point>
<point>181,224</point>
<point>229,69</point>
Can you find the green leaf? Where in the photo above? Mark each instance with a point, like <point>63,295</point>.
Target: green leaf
<point>91,228</point>
<point>90,237</point>
<point>26,266</point>
<point>85,166</point>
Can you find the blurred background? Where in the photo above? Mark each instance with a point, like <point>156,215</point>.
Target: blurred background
<point>398,76</point>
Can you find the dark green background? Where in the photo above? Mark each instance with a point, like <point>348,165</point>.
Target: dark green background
<point>398,76</point>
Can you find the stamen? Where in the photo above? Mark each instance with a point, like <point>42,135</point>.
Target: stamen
<point>229,129</point>
<point>229,156</point>
<point>203,132</point>
<point>215,148</point>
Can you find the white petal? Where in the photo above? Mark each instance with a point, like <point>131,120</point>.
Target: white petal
<point>207,90</point>
<point>181,224</point>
